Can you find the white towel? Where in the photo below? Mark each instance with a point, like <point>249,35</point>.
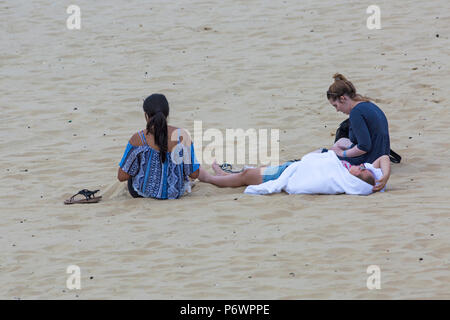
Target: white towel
<point>317,173</point>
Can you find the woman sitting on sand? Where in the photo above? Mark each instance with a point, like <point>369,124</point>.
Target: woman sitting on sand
<point>256,176</point>
<point>368,132</point>
<point>158,160</point>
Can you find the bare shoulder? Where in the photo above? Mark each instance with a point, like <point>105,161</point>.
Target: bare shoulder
<point>176,133</point>
<point>135,140</point>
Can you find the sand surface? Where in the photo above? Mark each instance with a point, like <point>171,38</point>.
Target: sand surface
<point>70,100</point>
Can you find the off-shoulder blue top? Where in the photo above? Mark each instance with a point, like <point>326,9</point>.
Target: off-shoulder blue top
<point>153,179</point>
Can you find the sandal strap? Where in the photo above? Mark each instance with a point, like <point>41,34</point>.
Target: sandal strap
<point>229,168</point>
<point>226,166</point>
<point>85,192</point>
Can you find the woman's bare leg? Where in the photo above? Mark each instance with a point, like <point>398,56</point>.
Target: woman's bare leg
<point>244,178</point>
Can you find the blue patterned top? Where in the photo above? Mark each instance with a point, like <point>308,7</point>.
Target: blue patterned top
<point>153,179</point>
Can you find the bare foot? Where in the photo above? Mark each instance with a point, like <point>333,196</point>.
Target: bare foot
<point>218,170</point>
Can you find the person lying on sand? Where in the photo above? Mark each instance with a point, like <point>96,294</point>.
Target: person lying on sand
<point>256,176</point>
<point>158,160</point>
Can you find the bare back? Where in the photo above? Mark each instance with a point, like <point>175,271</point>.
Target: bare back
<point>171,143</point>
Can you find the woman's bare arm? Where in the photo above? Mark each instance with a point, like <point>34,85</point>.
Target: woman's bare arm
<point>122,175</point>
<point>349,153</point>
<point>134,141</point>
<point>194,175</point>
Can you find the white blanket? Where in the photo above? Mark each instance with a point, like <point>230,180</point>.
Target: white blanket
<point>317,173</point>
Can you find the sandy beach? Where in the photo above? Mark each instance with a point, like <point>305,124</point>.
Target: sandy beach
<point>71,99</point>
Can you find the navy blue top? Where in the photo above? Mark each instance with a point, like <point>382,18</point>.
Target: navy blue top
<point>369,131</point>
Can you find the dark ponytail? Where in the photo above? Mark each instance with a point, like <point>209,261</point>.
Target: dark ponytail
<point>157,109</point>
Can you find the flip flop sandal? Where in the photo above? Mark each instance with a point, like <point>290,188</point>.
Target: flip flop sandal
<point>229,168</point>
<point>89,197</point>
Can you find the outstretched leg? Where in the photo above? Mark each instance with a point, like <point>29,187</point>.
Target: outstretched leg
<point>218,170</point>
<point>244,178</point>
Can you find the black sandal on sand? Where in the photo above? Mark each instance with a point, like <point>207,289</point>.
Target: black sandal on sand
<point>89,197</point>
<point>229,168</point>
